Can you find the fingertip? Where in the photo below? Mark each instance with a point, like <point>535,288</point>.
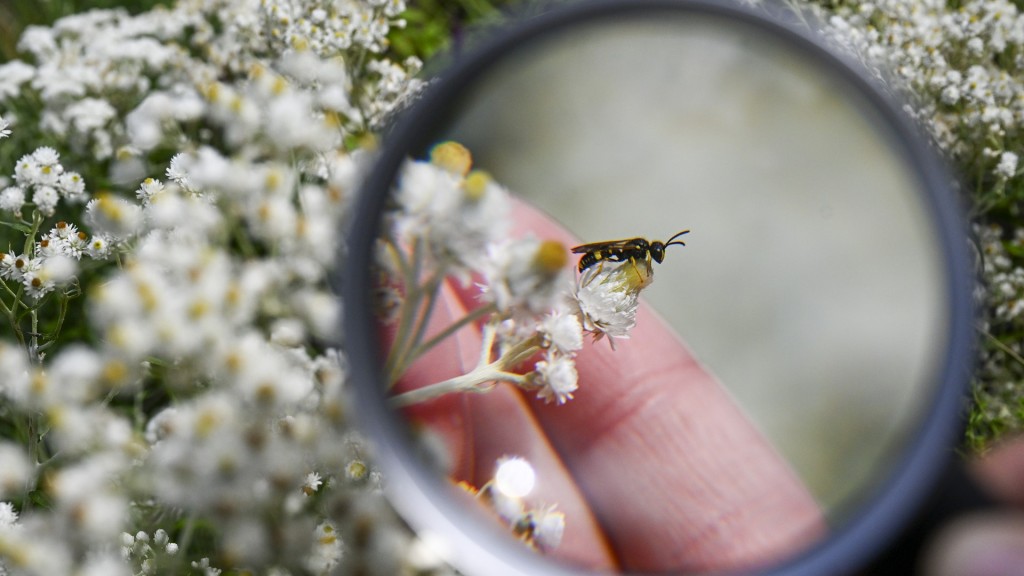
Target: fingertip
<point>990,544</point>
<point>1001,471</point>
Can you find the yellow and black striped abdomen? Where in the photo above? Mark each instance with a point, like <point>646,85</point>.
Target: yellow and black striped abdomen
<point>591,258</point>
<point>616,251</point>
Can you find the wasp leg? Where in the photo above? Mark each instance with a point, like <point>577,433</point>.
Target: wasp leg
<point>639,275</point>
<point>643,277</point>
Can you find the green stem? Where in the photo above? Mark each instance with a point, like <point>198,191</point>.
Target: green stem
<point>999,344</point>
<point>476,381</point>
<point>472,316</point>
<point>184,541</point>
<point>482,378</point>
<point>431,289</point>
<point>30,238</point>
<point>420,348</point>
<point>410,307</point>
<point>33,344</point>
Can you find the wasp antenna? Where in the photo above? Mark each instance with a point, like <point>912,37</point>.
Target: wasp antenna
<point>670,240</point>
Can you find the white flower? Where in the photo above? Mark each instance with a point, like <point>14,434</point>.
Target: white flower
<point>48,160</point>
<point>98,247</point>
<point>16,470</point>
<point>288,332</point>
<point>608,295</point>
<point>45,198</point>
<point>26,171</point>
<point>976,46</point>
<point>311,484</point>
<point>5,128</point>
<point>526,273</point>
<point>428,196</point>
<point>562,331</point>
<point>204,565</point>
<point>557,378</point>
<point>950,95</point>
<point>12,199</point>
<point>59,269</point>
<point>457,216</point>
<point>260,373</point>
<point>72,186</point>
<point>177,170</point>
<point>12,75</point>
<point>114,216</point>
<point>149,188</point>
<point>514,476</point>
<point>84,491</point>
<point>13,266</point>
<point>89,114</point>
<point>1007,166</point>
<point>327,549</point>
<point>76,370</point>
<point>548,528</point>
<point>291,123</point>
<point>8,515</point>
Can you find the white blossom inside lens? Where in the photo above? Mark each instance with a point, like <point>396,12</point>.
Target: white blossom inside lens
<point>514,477</point>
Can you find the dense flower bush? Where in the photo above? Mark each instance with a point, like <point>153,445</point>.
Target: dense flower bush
<point>173,191</point>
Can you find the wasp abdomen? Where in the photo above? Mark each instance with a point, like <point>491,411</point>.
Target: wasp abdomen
<point>589,259</point>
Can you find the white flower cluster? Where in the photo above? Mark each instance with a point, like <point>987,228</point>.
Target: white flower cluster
<point>190,400</point>
<point>452,222</point>
<point>87,65</point>
<point>959,65</point>
<point>999,382</point>
<point>148,554</point>
<point>40,177</point>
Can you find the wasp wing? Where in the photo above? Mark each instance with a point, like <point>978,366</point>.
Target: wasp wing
<point>595,246</point>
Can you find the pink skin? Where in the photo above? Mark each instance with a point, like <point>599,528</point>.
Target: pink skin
<point>1001,471</point>
<point>653,464</point>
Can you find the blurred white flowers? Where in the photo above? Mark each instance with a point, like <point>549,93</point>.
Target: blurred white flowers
<point>166,398</point>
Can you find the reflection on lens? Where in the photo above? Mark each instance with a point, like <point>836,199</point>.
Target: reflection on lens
<point>743,191</point>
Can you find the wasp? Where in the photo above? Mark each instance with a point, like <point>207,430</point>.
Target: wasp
<point>633,249</point>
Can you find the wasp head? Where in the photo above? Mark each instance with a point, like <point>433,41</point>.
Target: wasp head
<point>657,251</point>
<point>657,247</point>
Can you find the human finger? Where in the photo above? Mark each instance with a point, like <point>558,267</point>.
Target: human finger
<point>664,454</point>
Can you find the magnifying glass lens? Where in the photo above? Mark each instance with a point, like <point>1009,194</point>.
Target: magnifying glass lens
<point>655,292</point>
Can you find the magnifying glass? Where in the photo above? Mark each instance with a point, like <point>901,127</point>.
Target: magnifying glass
<point>658,286</point>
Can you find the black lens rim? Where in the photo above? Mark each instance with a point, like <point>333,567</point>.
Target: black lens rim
<point>479,549</point>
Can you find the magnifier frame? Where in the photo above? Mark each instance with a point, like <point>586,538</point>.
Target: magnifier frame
<point>477,547</point>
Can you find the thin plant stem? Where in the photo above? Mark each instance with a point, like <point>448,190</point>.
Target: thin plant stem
<point>409,309</point>
<point>470,317</point>
<point>474,381</point>
<point>999,344</point>
<point>480,379</point>
<point>422,319</point>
